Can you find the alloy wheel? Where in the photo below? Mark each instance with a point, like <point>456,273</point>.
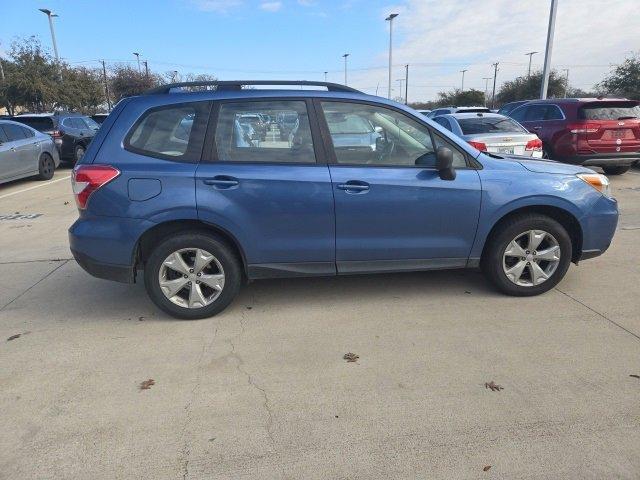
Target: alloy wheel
<point>531,258</point>
<point>191,278</point>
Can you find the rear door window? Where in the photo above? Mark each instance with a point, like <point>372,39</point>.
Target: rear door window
<point>27,133</point>
<point>553,113</point>
<point>444,122</point>
<point>609,111</point>
<point>174,132</point>
<point>535,113</point>
<point>3,136</point>
<point>265,132</point>
<point>13,132</point>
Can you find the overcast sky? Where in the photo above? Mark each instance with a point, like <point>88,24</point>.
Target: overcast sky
<point>301,39</point>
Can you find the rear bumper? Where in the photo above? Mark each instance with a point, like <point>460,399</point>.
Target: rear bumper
<point>604,159</point>
<point>117,273</point>
<point>106,246</point>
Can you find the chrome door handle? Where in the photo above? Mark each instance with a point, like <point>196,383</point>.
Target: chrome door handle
<point>537,128</point>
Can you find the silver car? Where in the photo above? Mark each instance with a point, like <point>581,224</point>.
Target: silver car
<point>494,133</point>
<point>25,152</point>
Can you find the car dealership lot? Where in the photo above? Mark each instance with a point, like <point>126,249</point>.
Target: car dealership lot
<point>262,390</point>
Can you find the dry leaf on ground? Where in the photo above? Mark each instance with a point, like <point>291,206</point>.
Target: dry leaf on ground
<point>350,357</point>
<point>493,386</point>
<point>146,385</point>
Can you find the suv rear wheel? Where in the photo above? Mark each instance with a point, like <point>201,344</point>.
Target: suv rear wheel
<point>616,170</point>
<point>192,275</point>
<point>527,255</point>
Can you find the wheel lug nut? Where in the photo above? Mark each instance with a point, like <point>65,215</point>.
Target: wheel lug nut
<point>199,274</point>
<point>186,276</point>
<point>527,252</point>
<point>188,283</point>
<point>197,282</point>
<point>523,259</point>
<point>191,269</point>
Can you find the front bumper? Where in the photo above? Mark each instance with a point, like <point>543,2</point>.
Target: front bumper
<point>598,228</point>
<point>604,159</point>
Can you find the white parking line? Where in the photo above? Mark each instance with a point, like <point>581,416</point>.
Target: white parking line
<point>33,188</point>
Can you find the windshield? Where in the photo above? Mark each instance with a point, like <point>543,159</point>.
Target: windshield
<point>471,126</point>
<point>610,111</point>
<point>91,122</point>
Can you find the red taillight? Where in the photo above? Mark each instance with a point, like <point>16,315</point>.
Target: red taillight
<point>535,145</point>
<point>478,145</point>
<point>86,179</point>
<point>583,127</point>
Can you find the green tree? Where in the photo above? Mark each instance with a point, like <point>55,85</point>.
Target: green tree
<point>624,80</point>
<point>31,77</point>
<point>81,89</point>
<point>528,88</point>
<point>458,97</point>
<point>127,82</point>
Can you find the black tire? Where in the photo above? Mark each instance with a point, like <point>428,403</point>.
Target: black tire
<point>492,258</point>
<point>78,153</point>
<point>46,167</point>
<point>545,153</point>
<point>218,248</point>
<point>616,170</point>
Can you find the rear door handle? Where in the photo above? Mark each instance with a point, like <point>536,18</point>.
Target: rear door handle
<point>222,182</point>
<point>537,128</point>
<point>354,186</point>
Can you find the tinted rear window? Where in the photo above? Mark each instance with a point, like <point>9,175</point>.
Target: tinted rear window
<point>609,111</point>
<point>42,124</point>
<point>472,126</point>
<point>172,132</point>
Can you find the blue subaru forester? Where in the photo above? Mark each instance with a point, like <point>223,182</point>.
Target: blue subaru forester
<point>204,185</point>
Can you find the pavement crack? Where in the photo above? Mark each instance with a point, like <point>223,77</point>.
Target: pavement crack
<point>44,260</point>
<point>599,314</point>
<point>266,403</point>
<point>34,285</point>
<point>185,452</point>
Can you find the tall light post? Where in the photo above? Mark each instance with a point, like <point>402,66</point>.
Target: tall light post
<point>50,15</point>
<point>548,49</point>
<point>400,80</point>
<point>138,58</point>
<point>345,66</point>
<point>530,54</point>
<point>325,76</point>
<point>495,75</point>
<point>462,87</point>
<point>390,20</point>
<point>486,90</point>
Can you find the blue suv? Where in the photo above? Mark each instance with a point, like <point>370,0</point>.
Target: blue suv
<point>175,186</point>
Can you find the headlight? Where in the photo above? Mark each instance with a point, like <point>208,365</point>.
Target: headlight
<point>597,181</point>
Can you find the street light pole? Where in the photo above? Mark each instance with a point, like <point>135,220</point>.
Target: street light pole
<point>390,20</point>
<point>462,71</point>
<point>400,80</point>
<point>325,76</point>
<point>138,58</point>
<point>106,84</point>
<point>486,90</point>
<point>345,67</point>
<point>146,68</point>
<point>531,54</point>
<point>406,84</point>
<point>548,49</point>
<point>495,74</point>
<point>50,15</point>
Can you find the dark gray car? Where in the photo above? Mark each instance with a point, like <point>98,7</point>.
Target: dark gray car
<point>25,152</point>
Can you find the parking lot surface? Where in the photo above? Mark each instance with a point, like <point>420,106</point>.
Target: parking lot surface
<point>263,391</point>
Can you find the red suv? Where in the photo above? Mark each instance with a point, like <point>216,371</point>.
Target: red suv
<point>586,131</point>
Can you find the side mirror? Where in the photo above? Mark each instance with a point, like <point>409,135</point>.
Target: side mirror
<point>444,163</point>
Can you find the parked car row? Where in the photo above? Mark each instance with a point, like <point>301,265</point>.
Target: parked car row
<point>582,131</point>
<point>25,152</point>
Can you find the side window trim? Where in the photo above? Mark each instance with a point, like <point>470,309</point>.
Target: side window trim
<point>210,152</point>
<point>331,154</point>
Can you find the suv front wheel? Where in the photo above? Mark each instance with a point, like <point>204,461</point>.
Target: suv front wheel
<point>527,255</point>
<point>192,275</point>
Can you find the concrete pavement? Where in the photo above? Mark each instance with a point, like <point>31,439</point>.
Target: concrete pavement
<point>262,391</point>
